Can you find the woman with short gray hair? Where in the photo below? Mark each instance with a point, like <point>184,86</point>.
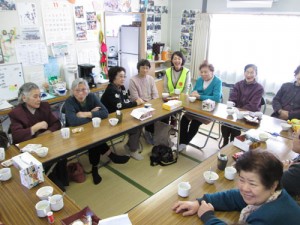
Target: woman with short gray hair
<point>80,108</point>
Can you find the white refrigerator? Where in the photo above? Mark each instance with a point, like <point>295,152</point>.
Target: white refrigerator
<point>129,50</point>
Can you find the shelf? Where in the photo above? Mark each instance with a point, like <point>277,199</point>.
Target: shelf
<point>161,68</point>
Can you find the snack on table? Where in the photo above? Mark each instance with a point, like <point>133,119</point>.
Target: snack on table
<point>77,130</point>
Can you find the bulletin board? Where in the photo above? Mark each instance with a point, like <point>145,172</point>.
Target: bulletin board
<point>11,79</point>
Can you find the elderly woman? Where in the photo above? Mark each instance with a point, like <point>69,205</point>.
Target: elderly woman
<point>259,196</point>
<point>207,86</point>
<point>291,177</point>
<point>115,98</point>
<point>143,86</point>
<point>177,76</point>
<point>286,103</point>
<point>246,94</point>
<point>32,118</point>
<point>80,108</point>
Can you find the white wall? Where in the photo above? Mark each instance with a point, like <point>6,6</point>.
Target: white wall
<point>219,6</point>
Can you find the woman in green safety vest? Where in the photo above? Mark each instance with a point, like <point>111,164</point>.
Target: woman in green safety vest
<point>177,76</point>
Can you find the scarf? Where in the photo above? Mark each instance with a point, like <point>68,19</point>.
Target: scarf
<point>251,208</point>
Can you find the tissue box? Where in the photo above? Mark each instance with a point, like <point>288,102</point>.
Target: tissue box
<point>208,105</point>
<point>245,143</point>
<point>142,113</point>
<point>172,104</point>
<point>31,170</point>
<point>242,142</point>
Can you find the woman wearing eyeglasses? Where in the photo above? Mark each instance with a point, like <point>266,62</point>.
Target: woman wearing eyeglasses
<point>80,108</point>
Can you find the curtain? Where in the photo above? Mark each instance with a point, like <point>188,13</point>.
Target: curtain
<point>269,41</point>
<point>200,42</point>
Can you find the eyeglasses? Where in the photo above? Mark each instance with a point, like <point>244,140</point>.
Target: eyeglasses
<point>121,77</point>
<point>81,90</point>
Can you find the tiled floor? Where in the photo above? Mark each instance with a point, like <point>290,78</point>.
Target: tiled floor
<point>125,186</point>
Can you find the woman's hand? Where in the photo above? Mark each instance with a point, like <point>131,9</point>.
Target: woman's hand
<point>284,115</point>
<point>43,125</point>
<point>139,101</point>
<point>204,207</point>
<point>84,114</point>
<point>187,208</point>
<point>96,109</point>
<point>195,94</point>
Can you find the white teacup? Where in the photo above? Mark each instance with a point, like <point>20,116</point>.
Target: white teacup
<point>96,121</point>
<point>165,94</point>
<point>65,132</point>
<point>230,104</point>
<point>239,115</point>
<point>5,174</point>
<point>230,173</point>
<point>42,208</point>
<point>184,189</point>
<point>56,202</point>
<point>177,91</point>
<point>147,105</point>
<point>2,154</point>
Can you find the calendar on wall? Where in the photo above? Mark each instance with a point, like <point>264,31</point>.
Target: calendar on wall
<point>57,21</point>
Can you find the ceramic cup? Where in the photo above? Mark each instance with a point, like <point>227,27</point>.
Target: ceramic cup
<point>96,121</point>
<point>177,91</point>
<point>147,105</point>
<point>230,104</point>
<point>222,162</point>
<point>239,115</point>
<point>230,173</point>
<point>5,174</point>
<point>65,132</point>
<point>184,189</point>
<point>42,208</point>
<point>56,202</point>
<point>2,154</point>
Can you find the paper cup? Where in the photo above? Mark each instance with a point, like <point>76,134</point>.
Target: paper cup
<point>177,91</point>
<point>96,122</point>
<point>65,132</point>
<point>230,173</point>
<point>2,154</point>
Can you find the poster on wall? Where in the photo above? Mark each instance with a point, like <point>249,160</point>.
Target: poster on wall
<point>7,45</point>
<point>155,9</point>
<point>7,5</point>
<point>57,21</point>
<point>122,5</point>
<point>85,19</point>
<point>27,14</point>
<point>187,29</point>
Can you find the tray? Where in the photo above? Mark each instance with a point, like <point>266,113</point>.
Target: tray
<point>81,215</point>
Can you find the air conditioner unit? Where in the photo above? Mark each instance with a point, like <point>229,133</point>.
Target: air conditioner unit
<point>249,3</point>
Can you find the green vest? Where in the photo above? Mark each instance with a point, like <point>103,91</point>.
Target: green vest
<point>181,81</point>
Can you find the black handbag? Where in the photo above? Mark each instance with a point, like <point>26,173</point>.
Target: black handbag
<point>162,155</point>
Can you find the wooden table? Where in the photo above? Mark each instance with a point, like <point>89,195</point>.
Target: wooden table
<point>157,209</point>
<point>17,205</point>
<point>268,124</point>
<point>61,148</point>
<point>58,99</point>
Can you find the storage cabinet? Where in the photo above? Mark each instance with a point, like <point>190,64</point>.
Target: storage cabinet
<point>157,70</point>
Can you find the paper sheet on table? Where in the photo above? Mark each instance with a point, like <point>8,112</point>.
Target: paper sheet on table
<point>116,220</point>
<point>5,105</point>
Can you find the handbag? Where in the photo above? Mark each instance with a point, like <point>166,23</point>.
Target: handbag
<point>162,155</point>
<point>76,172</point>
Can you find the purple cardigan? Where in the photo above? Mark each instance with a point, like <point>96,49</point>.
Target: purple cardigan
<point>247,96</point>
<point>22,120</point>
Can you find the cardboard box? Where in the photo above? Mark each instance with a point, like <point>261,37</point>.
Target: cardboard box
<point>172,104</point>
<point>31,170</point>
<point>208,105</point>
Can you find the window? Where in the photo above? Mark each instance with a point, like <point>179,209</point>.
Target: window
<point>272,42</point>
